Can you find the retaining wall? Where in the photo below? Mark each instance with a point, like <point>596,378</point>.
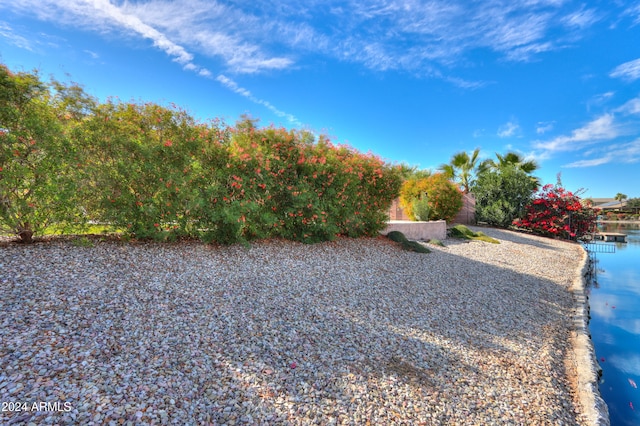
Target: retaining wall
<point>425,231</point>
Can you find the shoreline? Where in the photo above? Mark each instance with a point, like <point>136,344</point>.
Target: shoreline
<point>282,332</point>
<point>583,357</point>
<point>626,222</point>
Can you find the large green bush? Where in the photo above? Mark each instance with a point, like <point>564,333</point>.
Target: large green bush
<point>38,185</point>
<point>501,195</point>
<point>155,172</point>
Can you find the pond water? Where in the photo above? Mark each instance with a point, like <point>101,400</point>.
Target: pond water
<point>615,324</point>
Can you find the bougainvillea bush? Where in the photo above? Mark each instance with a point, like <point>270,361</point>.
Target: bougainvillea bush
<point>443,197</point>
<point>556,212</point>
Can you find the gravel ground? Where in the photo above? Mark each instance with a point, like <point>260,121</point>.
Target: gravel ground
<point>349,332</point>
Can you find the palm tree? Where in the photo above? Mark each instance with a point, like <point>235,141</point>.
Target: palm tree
<point>511,159</point>
<point>462,168</point>
<point>619,197</point>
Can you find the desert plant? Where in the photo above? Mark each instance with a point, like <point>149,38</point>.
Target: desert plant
<point>414,246</point>
<point>501,195</point>
<point>462,168</point>
<point>154,172</point>
<point>462,232</point>
<point>421,208</point>
<point>444,199</point>
<point>38,186</point>
<point>406,244</point>
<point>397,236</point>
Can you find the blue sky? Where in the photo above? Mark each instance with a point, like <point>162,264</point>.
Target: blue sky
<point>412,81</point>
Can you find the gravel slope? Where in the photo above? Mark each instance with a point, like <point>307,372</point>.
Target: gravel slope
<point>348,332</point>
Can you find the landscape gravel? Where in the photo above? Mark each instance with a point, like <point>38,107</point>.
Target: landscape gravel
<point>354,332</point>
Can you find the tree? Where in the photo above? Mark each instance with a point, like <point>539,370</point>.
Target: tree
<point>37,159</point>
<point>633,203</point>
<point>620,197</point>
<point>462,168</point>
<point>407,172</point>
<point>514,160</point>
<point>501,195</point>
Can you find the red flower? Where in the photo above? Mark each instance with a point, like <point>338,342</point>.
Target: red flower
<point>168,143</point>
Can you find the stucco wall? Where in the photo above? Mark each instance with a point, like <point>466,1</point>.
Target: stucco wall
<point>425,231</point>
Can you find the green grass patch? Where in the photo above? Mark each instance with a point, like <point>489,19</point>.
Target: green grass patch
<point>462,232</point>
<point>436,242</point>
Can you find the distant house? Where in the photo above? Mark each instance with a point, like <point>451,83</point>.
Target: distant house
<point>608,204</point>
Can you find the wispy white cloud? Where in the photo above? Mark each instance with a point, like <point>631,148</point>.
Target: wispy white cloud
<point>590,163</point>
<point>509,130</point>
<point>234,87</point>
<point>634,12</point>
<point>628,71</point>
<point>582,18</point>
<point>601,128</point>
<point>91,53</point>
<point>9,34</point>
<point>214,30</point>
<point>603,140</point>
<point>599,100</point>
<point>617,153</point>
<point>544,127</point>
<point>631,107</point>
<point>143,19</point>
<point>425,38</point>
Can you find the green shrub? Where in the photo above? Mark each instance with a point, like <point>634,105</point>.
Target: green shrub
<point>421,208</point>
<point>156,173</point>
<point>38,184</point>
<point>462,232</point>
<point>397,236</point>
<point>501,195</point>
<point>443,197</point>
<point>406,244</point>
<point>414,246</point>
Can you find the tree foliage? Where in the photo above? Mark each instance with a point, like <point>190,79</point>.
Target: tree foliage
<point>501,195</point>
<point>633,202</point>
<point>462,168</point>
<point>155,172</point>
<point>38,185</point>
<point>443,197</point>
<point>511,160</point>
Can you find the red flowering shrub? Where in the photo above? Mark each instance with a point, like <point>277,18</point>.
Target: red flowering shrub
<point>556,212</point>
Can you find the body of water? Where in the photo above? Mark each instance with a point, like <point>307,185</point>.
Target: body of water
<point>615,324</point>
